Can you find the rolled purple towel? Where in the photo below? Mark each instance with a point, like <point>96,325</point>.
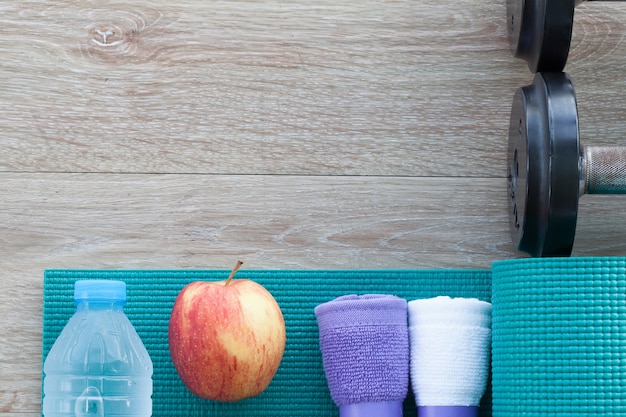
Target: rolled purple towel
<point>365,351</point>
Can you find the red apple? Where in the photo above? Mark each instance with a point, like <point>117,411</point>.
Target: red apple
<point>226,338</point>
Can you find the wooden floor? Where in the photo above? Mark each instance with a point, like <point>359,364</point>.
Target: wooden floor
<point>291,135</point>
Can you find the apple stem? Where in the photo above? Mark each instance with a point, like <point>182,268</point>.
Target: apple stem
<point>233,272</point>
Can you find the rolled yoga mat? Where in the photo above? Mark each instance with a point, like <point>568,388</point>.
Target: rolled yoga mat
<point>559,337</point>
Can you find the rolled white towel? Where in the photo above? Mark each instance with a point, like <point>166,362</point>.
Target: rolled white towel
<point>450,350</point>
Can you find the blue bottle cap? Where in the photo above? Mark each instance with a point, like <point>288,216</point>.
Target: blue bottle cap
<point>99,290</point>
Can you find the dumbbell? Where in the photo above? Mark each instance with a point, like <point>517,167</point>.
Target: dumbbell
<point>540,31</point>
<point>549,169</point>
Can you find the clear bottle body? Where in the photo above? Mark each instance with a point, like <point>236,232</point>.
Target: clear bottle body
<point>98,366</point>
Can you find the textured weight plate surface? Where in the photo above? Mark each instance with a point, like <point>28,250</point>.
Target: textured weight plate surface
<point>543,166</point>
<point>540,32</point>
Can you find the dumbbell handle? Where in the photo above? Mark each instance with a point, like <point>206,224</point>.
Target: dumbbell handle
<point>603,170</point>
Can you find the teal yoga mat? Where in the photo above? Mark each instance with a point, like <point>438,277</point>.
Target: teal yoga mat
<point>559,337</point>
<point>299,387</point>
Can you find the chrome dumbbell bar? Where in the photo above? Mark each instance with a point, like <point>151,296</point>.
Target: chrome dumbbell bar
<point>549,169</point>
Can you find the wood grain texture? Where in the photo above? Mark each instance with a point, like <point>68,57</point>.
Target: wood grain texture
<point>293,135</point>
<point>326,88</point>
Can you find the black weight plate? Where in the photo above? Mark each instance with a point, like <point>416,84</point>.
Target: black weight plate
<point>540,32</point>
<point>528,170</point>
<point>543,166</point>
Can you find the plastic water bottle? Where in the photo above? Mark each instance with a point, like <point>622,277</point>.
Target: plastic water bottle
<point>98,366</point>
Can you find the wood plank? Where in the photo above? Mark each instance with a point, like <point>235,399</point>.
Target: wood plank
<point>596,65</point>
<point>247,87</point>
<point>152,221</point>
